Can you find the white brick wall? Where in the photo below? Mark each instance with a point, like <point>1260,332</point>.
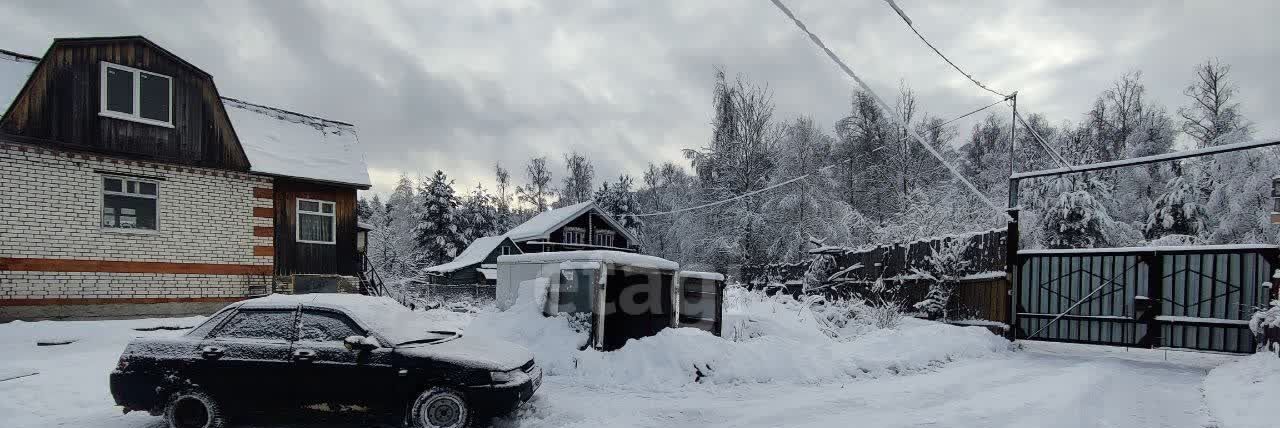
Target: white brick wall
<point>88,285</point>
<point>53,206</point>
<point>50,205</point>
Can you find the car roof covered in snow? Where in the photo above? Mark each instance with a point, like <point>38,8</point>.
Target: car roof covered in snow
<point>281,142</point>
<point>612,257</point>
<point>380,315</point>
<point>474,254</point>
<point>541,225</point>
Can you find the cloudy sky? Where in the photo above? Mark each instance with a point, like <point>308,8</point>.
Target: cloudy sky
<point>461,85</point>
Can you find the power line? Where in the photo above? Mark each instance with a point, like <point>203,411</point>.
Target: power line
<point>935,50</point>
<point>835,164</point>
<point>798,178</point>
<point>848,71</point>
<point>1035,135</point>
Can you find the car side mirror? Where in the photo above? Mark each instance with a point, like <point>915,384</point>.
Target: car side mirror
<point>361,343</point>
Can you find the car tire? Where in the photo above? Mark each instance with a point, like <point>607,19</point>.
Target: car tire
<point>194,409</point>
<point>440,407</point>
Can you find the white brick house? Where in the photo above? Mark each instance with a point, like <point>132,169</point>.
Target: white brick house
<point>148,193</point>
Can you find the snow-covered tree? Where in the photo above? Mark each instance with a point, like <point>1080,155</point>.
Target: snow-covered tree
<point>477,215</point>
<point>502,200</point>
<point>402,217</point>
<point>579,174</point>
<point>438,234</point>
<point>943,268</point>
<point>1177,212</point>
<point>806,209</point>
<point>619,201</point>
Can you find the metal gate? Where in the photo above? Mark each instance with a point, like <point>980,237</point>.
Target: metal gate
<point>1180,297</point>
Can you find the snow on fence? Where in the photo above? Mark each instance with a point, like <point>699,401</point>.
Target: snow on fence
<point>895,262</point>
<point>898,267</point>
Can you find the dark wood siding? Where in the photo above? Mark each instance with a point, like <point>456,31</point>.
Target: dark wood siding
<point>469,275</point>
<point>60,104</point>
<point>293,257</point>
<point>591,221</point>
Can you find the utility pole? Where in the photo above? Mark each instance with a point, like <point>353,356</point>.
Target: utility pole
<point>1011,232</point>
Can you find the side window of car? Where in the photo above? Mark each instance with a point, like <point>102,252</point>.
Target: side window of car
<point>325,326</point>
<point>203,330</point>
<point>258,324</point>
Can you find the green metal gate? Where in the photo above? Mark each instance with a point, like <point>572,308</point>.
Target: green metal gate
<point>1197,297</point>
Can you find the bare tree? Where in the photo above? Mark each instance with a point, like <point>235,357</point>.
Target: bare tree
<point>1213,111</point>
<point>577,184</point>
<point>537,193</point>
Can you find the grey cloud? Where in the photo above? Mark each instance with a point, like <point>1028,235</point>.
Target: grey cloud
<point>459,86</point>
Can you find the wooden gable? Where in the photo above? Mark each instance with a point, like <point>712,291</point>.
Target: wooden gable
<point>61,101</point>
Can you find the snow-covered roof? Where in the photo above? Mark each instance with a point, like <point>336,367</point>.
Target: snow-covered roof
<point>612,257</point>
<point>474,254</point>
<point>276,141</point>
<point>541,225</point>
<point>489,273</point>
<point>14,71</point>
<point>281,142</point>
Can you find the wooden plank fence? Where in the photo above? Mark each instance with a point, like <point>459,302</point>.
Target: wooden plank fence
<point>980,294</point>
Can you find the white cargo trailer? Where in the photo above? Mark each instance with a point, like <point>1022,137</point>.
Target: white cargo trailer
<point>626,295</point>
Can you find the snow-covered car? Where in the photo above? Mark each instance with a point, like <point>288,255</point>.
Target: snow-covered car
<point>331,351</point>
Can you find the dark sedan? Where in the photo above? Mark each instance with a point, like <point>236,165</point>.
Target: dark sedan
<point>343,353</point>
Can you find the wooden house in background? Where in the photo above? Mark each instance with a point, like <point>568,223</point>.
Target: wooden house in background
<point>581,226</point>
<point>131,187</point>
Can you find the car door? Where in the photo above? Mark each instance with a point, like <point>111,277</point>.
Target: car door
<point>328,372</point>
<point>246,360</point>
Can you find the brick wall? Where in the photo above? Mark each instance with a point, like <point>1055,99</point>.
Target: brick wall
<point>52,245</point>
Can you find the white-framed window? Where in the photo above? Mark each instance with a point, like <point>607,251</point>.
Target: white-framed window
<point>316,221</point>
<point>140,96</point>
<point>603,238</point>
<point>506,251</point>
<point>129,203</point>
<point>575,235</point>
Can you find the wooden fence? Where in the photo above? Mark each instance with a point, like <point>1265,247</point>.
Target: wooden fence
<point>980,295</point>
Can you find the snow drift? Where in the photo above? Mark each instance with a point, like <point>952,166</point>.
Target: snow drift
<point>1236,391</point>
<point>767,339</point>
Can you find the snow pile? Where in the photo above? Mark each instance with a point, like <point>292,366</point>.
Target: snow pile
<point>1243,394</point>
<point>768,339</point>
<point>553,340</point>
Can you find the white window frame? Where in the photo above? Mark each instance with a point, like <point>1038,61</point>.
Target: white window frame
<point>136,116</point>
<point>297,220</point>
<point>581,233</point>
<point>124,186</point>
<point>505,251</point>
<point>597,238</point>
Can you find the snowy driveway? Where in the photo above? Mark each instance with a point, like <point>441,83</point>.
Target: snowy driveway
<point>1047,385</point>
<point>1042,385</point>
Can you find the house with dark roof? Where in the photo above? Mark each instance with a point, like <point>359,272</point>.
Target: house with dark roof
<point>476,265</point>
<point>581,226</point>
<point>133,187</point>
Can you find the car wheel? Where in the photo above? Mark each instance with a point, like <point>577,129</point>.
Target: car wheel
<point>440,408</point>
<point>194,409</point>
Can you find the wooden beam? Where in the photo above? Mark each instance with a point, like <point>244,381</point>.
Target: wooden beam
<point>264,212</point>
<point>119,266</point>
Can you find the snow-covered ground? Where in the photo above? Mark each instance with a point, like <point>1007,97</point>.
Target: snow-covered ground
<point>780,369</point>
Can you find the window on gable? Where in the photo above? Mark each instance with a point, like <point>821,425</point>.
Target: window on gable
<point>506,251</point>
<point>575,235</point>
<point>140,96</point>
<point>316,221</point>
<point>603,238</point>
<point>129,203</point>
